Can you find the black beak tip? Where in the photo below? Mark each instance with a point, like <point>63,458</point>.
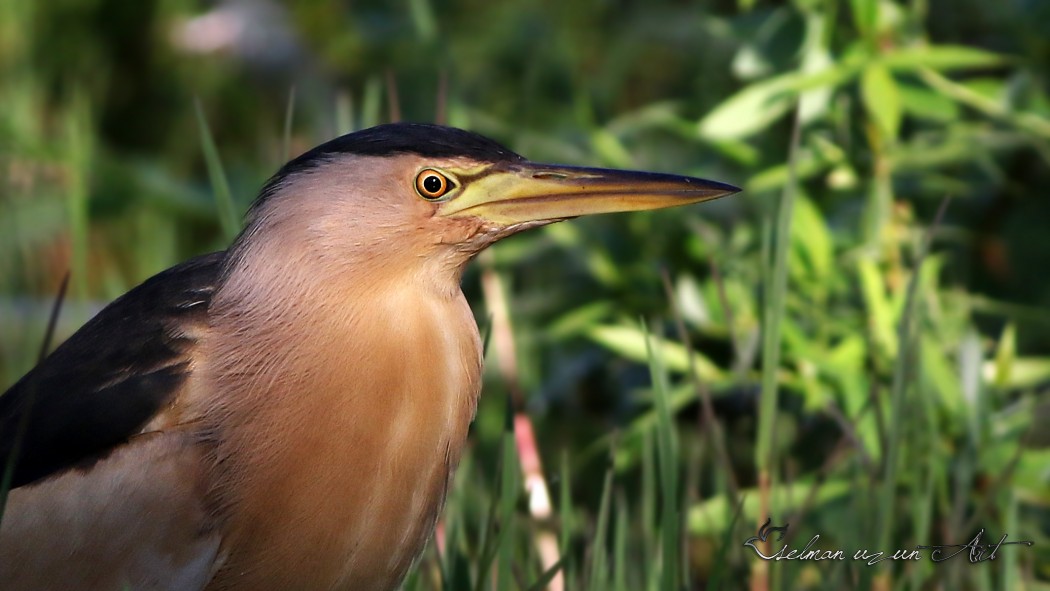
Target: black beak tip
<point>723,189</point>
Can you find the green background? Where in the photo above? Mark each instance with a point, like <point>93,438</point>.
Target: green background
<point>882,379</point>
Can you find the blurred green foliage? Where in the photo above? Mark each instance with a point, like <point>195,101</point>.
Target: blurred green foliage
<point>897,393</point>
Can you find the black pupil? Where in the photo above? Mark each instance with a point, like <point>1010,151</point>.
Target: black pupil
<point>432,184</point>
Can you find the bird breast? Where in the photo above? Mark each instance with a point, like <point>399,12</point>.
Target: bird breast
<point>339,437</point>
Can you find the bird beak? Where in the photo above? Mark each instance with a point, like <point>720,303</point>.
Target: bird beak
<point>517,193</point>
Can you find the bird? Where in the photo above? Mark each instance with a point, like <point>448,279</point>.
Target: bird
<point>287,413</point>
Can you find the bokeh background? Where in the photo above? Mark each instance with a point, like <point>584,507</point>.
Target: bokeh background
<point>872,371</point>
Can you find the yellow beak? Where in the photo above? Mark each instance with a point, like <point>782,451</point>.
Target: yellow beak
<point>528,192</point>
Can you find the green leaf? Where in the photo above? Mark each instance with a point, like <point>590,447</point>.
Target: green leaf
<point>775,177</point>
<point>1025,372</point>
<point>1005,355</point>
<point>578,320</point>
<point>814,103</point>
<point>1031,477</point>
<point>758,105</point>
<point>865,15</point>
<point>715,514</point>
<point>990,88</point>
<point>940,57</point>
<point>1029,122</point>
<point>742,153</point>
<point>924,103</point>
<point>881,98</point>
<point>751,110</point>
<point>844,365</point>
<point>631,343</point>
<point>810,238</point>
<point>941,374</point>
<point>816,58</point>
<point>881,320</point>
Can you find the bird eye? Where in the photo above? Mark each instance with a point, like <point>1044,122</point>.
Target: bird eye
<point>431,184</point>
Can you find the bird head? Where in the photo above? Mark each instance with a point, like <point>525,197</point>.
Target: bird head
<point>423,199</point>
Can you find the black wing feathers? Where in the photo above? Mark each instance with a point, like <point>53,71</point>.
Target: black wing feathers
<point>106,381</point>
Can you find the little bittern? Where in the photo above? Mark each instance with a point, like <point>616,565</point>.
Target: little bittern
<point>286,414</point>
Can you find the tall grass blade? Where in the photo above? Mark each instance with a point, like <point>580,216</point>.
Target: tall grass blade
<point>648,509</point>
<point>901,374</point>
<point>344,113</point>
<point>289,115</point>
<point>227,211</point>
<point>667,456</point>
<point>509,488</point>
<point>620,560</point>
<point>565,512</point>
<point>775,274</point>
<point>547,576</point>
<point>79,139</point>
<point>597,573</point>
<point>371,103</point>
<point>721,562</point>
<point>23,421</point>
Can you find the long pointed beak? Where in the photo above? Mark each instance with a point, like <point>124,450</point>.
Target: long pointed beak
<point>529,192</point>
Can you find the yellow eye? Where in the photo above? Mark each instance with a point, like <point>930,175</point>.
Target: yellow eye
<point>431,184</point>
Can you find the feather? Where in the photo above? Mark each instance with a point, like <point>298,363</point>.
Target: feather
<point>109,379</point>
